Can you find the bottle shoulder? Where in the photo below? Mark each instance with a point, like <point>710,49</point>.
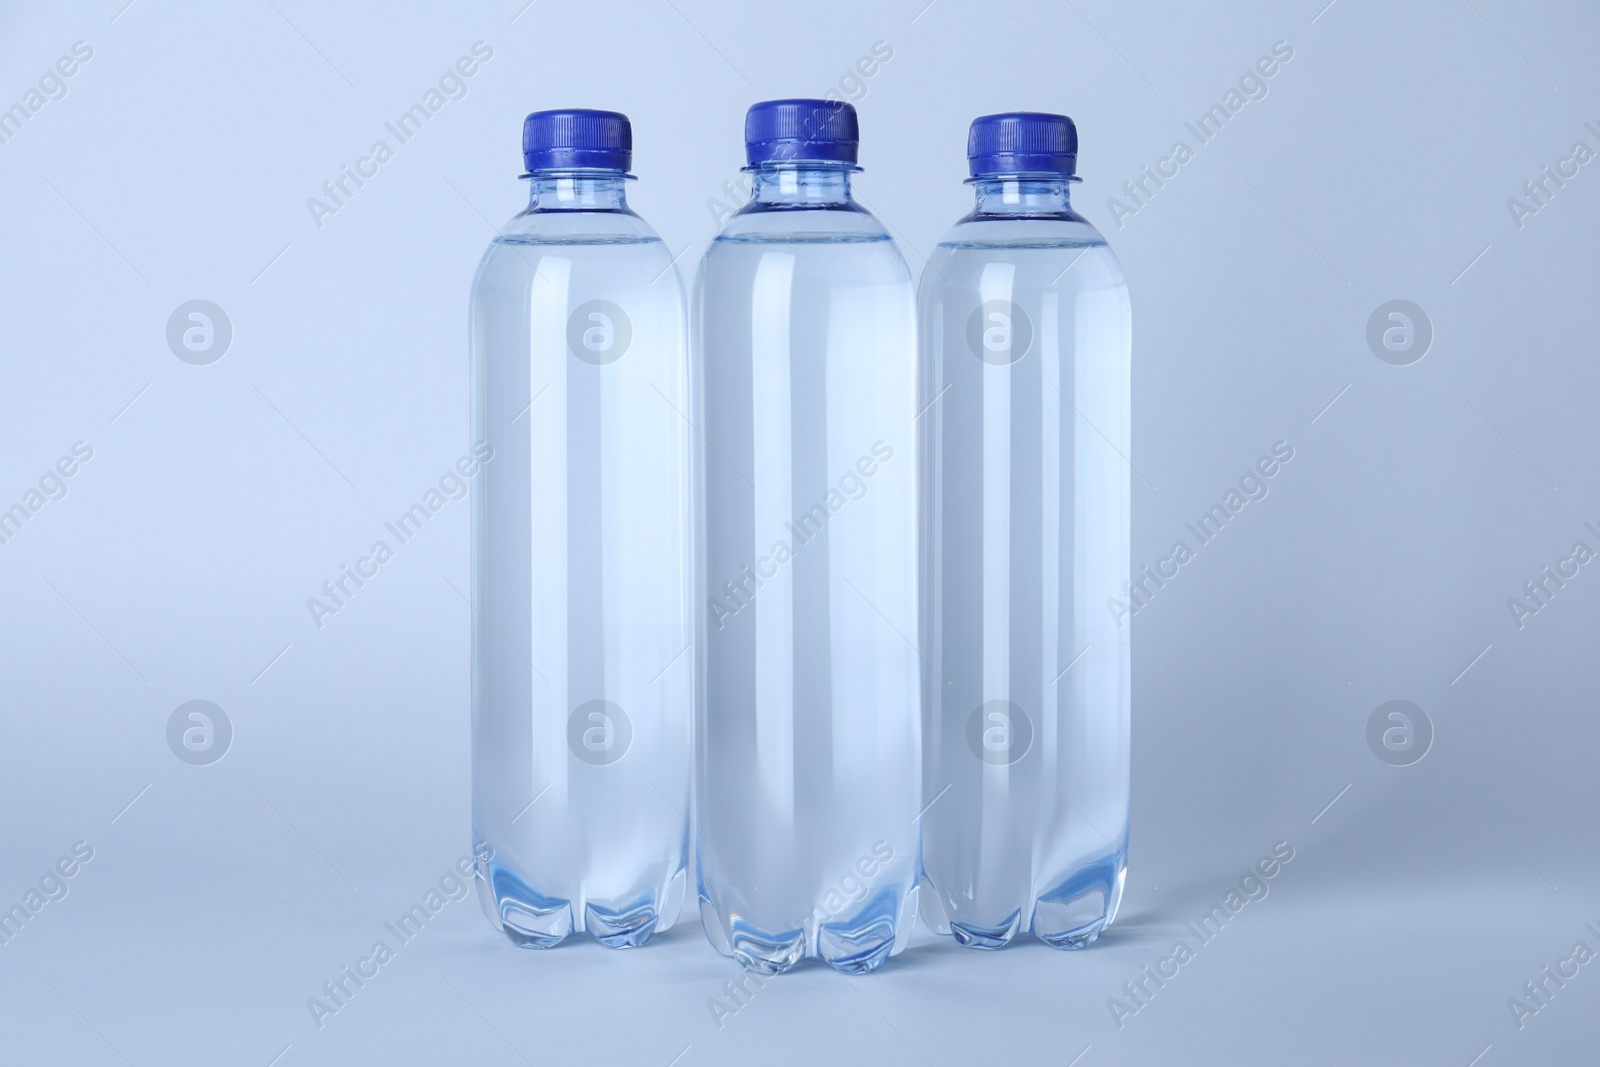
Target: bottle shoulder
<point>846,224</point>
<point>531,227</point>
<point>1042,252</point>
<point>555,245</point>
<point>1022,232</point>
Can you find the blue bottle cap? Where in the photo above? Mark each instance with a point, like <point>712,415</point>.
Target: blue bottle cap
<point>801,129</point>
<point>556,140</point>
<point>1022,142</point>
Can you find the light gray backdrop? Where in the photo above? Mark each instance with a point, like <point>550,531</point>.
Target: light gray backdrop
<point>1377,163</point>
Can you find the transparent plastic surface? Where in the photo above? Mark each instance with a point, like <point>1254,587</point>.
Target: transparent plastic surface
<point>581,681</point>
<point>1025,371</point>
<point>807,743</point>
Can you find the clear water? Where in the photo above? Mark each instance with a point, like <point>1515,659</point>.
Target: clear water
<point>581,677</point>
<point>807,745</point>
<point>1025,371</point>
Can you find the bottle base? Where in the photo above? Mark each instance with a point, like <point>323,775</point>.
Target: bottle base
<point>530,919</point>
<point>860,943</point>
<point>1071,915</point>
<point>621,929</point>
<point>973,935</point>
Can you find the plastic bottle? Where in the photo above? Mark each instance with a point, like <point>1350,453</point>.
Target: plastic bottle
<point>581,554</point>
<point>1025,477</point>
<point>807,759</point>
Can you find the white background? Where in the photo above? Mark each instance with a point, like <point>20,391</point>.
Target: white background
<point>219,498</point>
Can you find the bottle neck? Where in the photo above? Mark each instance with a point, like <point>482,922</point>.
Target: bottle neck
<point>1022,198</point>
<point>800,185</point>
<point>595,190</point>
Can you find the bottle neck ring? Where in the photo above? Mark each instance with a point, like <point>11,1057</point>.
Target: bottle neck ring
<point>1022,196</point>
<point>577,190</point>
<point>803,184</point>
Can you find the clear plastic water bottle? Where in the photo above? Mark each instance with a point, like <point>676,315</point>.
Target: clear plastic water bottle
<point>581,682</point>
<point>1025,482</point>
<point>808,761</point>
